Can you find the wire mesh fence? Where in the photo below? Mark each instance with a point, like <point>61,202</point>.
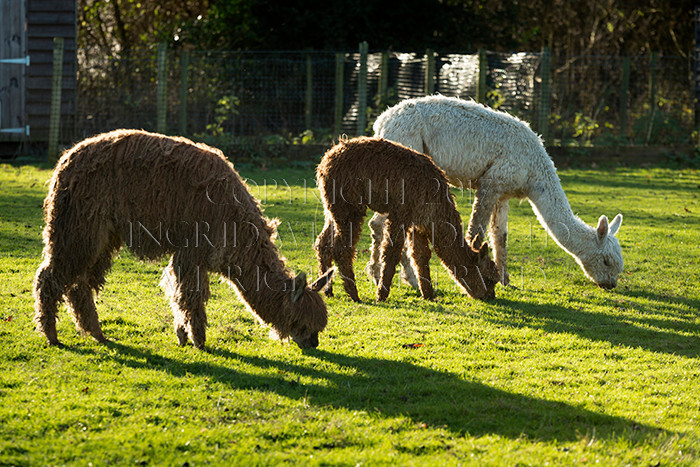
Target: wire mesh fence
<point>281,96</point>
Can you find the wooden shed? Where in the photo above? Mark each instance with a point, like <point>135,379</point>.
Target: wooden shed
<point>27,32</point>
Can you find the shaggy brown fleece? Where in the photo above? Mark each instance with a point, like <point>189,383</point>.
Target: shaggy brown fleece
<point>390,178</point>
<point>165,196</point>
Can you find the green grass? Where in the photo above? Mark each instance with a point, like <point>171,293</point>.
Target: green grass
<point>556,371</point>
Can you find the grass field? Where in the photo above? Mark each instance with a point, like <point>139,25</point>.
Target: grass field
<point>554,371</point>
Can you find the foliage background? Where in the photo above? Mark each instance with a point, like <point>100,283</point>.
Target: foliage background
<point>572,27</point>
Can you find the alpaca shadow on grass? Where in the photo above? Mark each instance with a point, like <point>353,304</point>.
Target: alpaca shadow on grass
<point>388,387</point>
<point>669,335</point>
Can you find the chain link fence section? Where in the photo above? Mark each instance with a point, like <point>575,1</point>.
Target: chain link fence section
<point>621,101</point>
<point>115,92</point>
<point>309,96</point>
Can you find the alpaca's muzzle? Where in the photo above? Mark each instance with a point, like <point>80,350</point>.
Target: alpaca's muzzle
<point>310,342</point>
<point>611,284</point>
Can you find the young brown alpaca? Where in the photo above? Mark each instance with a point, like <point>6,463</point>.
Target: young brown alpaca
<point>165,196</point>
<point>406,186</point>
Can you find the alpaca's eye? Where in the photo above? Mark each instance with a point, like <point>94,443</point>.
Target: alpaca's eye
<point>606,262</point>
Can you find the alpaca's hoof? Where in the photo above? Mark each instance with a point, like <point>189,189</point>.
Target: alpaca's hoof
<point>354,296</point>
<point>55,343</point>
<point>99,337</point>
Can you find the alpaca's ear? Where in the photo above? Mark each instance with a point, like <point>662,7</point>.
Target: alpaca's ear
<point>602,229</point>
<point>298,286</point>
<point>615,225</point>
<point>323,281</point>
<point>484,250</point>
<point>476,242</point>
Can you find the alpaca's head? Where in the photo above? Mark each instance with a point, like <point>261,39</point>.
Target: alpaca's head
<point>603,263</point>
<point>308,310</point>
<point>478,280</point>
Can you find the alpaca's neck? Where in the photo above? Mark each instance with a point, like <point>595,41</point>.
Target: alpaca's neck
<point>449,242</point>
<point>447,237</point>
<point>263,290</point>
<point>256,270</point>
<point>552,208</point>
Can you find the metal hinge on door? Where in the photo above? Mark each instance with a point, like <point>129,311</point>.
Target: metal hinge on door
<point>17,61</point>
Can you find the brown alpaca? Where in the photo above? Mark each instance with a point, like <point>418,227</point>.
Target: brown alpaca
<point>390,178</point>
<point>165,196</point>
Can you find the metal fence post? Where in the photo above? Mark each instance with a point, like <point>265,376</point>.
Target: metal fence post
<point>309,93</point>
<point>56,87</point>
<point>543,117</point>
<point>624,96</point>
<point>362,90</point>
<point>481,81</point>
<point>161,87</point>
<point>184,85</point>
<point>339,91</point>
<point>384,77</point>
<point>652,96</point>
<point>429,72</point>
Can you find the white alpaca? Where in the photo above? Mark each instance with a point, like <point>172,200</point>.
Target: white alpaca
<point>502,158</point>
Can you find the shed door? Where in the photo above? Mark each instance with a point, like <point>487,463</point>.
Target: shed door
<point>13,70</point>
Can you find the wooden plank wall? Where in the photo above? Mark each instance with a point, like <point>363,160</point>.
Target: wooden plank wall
<point>12,76</point>
<point>47,19</point>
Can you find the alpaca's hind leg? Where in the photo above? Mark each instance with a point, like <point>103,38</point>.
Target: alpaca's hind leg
<point>392,247</point>
<point>323,246</point>
<point>187,286</point>
<point>376,228</point>
<point>344,247</point>
<point>48,290</point>
<point>499,237</point>
<point>420,254</point>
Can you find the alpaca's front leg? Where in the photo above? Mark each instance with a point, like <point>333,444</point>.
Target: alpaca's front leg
<point>392,247</point>
<point>485,201</point>
<point>82,306</point>
<point>187,286</point>
<point>499,237</point>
